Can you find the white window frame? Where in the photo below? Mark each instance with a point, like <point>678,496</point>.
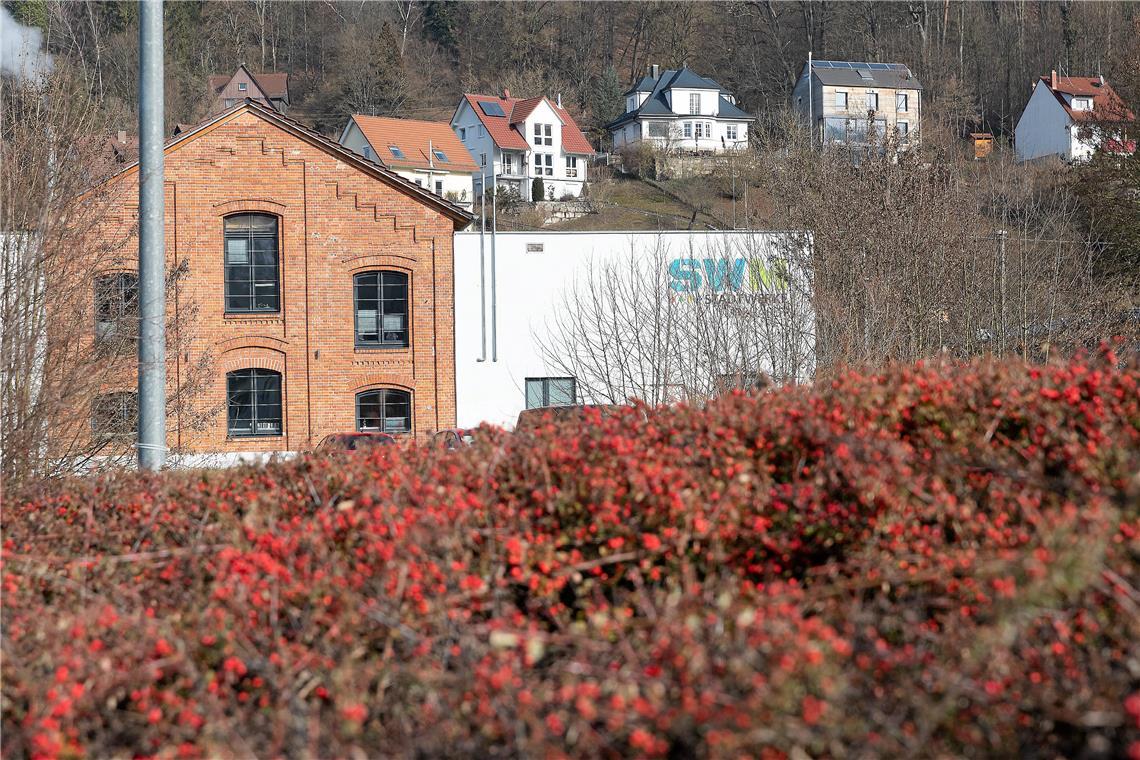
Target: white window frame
<point>688,127</point>
<point>694,103</point>
<point>841,105</point>
<point>482,159</point>
<point>902,102</point>
<point>571,166</point>
<point>508,163</point>
<point>544,164</point>
<point>543,134</point>
<point>875,96</point>
<point>730,131</point>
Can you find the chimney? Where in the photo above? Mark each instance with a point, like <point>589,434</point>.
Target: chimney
<point>1053,79</point>
<point>506,94</point>
<point>559,100</point>
<point>122,136</point>
<point>655,71</point>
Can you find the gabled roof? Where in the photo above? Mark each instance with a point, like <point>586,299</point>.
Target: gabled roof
<point>656,105</point>
<point>896,76</point>
<point>505,130</point>
<point>458,215</point>
<point>1107,105</point>
<point>412,137</point>
<point>273,85</point>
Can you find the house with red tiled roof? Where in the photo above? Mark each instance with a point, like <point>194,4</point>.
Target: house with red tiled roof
<point>269,88</point>
<point>515,140</point>
<point>1071,117</point>
<point>428,153</point>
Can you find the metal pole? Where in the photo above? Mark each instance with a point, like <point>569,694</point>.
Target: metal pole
<point>152,248</point>
<point>1001,256</point>
<point>494,277</point>
<point>811,109</point>
<point>483,264</point>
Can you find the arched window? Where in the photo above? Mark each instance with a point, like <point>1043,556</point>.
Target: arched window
<point>253,400</point>
<point>381,306</point>
<point>252,280</point>
<point>384,410</point>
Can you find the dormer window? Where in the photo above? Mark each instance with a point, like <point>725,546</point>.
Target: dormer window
<point>542,135</point>
<point>1082,104</point>
<point>694,102</point>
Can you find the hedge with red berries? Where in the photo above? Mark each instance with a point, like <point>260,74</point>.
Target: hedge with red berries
<point>923,561</point>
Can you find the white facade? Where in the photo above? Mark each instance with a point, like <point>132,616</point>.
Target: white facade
<point>1046,129</point>
<point>508,294</point>
<point>682,111</point>
<point>563,173</point>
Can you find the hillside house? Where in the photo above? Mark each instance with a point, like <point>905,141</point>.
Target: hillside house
<point>428,153</point>
<point>1061,115</point>
<point>679,109</point>
<point>227,90</point>
<point>858,103</point>
<point>515,140</point>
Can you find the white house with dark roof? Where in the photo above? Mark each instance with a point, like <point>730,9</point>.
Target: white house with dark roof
<point>857,102</point>
<point>680,109</point>
<point>1062,116</point>
<point>515,140</point>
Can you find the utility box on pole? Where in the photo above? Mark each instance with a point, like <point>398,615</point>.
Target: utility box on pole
<point>152,246</point>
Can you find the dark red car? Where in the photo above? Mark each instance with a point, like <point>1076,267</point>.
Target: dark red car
<point>355,441</point>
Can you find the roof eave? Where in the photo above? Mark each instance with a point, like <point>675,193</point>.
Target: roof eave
<point>447,208</point>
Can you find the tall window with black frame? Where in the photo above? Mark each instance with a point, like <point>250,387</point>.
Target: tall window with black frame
<point>252,271</point>
<point>381,309</point>
<point>116,311</point>
<point>384,410</point>
<point>253,400</point>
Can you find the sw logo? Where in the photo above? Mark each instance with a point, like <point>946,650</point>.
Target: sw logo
<point>727,275</point>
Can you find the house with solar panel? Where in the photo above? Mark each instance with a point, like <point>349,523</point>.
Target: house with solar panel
<point>516,140</point>
<point>682,110</point>
<point>857,102</point>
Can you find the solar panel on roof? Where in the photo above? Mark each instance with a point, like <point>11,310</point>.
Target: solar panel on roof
<point>878,66</point>
<point>491,109</point>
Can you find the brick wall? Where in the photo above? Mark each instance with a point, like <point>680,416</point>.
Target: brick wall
<point>335,220</point>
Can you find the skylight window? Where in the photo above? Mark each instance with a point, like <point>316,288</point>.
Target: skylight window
<point>440,155</point>
<point>491,108</point>
<point>865,74</point>
<point>395,151</point>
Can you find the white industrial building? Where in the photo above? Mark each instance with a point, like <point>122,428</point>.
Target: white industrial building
<point>513,293</point>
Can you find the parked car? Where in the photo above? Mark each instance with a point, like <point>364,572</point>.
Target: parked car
<point>454,438</point>
<point>531,418</point>
<point>355,441</point>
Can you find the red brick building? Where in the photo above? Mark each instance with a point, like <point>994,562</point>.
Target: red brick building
<point>310,289</point>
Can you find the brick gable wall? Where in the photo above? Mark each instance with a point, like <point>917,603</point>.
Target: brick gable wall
<point>334,221</point>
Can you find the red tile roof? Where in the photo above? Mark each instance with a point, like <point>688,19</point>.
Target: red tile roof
<point>412,137</point>
<point>504,129</point>
<point>1107,105</point>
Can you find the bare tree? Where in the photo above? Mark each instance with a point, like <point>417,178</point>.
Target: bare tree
<point>68,304</point>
